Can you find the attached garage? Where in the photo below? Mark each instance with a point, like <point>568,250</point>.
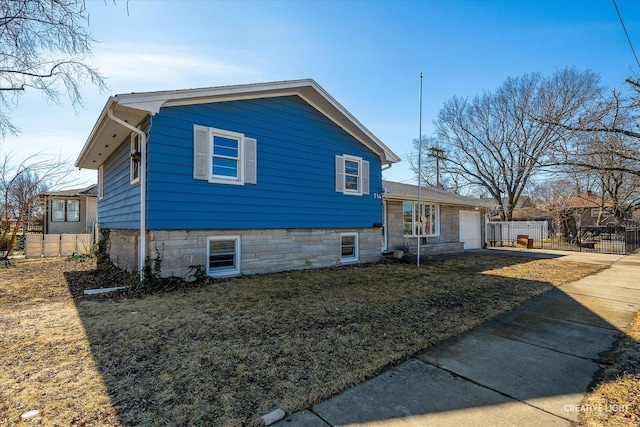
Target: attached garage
<point>470,229</point>
<point>441,221</point>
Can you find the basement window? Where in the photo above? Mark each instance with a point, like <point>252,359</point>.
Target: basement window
<point>223,256</point>
<point>349,247</point>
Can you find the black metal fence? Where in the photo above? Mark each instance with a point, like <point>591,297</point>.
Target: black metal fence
<point>597,239</point>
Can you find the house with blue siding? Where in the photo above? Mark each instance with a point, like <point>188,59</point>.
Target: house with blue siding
<point>242,179</point>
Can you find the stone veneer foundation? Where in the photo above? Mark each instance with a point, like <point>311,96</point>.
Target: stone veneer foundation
<point>262,251</point>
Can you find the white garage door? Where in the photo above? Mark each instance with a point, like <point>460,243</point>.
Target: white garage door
<point>470,229</point>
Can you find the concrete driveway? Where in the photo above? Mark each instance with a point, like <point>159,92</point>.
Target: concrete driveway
<point>530,366</point>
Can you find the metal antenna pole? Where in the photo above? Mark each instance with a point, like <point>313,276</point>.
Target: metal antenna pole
<point>420,213</point>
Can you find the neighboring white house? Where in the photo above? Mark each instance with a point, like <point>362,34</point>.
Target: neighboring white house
<point>70,211</point>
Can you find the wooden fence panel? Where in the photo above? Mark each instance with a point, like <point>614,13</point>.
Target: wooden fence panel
<point>51,245</point>
<point>33,246</point>
<point>84,243</point>
<point>55,245</point>
<point>67,244</point>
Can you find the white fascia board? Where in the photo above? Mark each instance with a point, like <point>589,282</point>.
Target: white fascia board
<point>307,89</point>
<point>153,101</point>
<point>360,132</point>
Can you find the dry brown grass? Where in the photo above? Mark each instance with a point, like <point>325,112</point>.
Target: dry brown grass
<point>232,350</point>
<point>615,400</point>
<point>45,357</point>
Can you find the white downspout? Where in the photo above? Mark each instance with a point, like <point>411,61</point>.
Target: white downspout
<point>142,255</point>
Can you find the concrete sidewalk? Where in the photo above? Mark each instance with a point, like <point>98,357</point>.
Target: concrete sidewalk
<point>530,366</point>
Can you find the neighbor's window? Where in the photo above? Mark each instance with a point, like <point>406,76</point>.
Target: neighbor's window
<point>595,212</point>
<point>73,210</point>
<point>65,210</point>
<point>420,219</point>
<point>349,247</point>
<point>223,256</point>
<point>58,210</point>
<point>135,158</point>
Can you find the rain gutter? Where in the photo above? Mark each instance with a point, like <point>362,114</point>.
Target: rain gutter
<point>143,188</point>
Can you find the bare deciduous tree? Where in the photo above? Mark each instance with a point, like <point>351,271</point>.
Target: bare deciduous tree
<point>602,135</point>
<point>433,166</point>
<point>20,187</point>
<point>44,45</point>
<point>495,141</point>
<point>619,189</point>
<point>601,139</point>
<point>554,197</point>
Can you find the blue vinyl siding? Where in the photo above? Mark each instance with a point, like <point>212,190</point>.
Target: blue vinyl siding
<point>120,206</point>
<point>295,187</point>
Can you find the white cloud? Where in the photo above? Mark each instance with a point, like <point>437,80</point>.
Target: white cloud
<point>155,67</point>
<point>50,145</point>
<point>61,131</point>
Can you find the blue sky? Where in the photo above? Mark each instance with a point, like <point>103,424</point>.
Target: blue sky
<point>367,54</point>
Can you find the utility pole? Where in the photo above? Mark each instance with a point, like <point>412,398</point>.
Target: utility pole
<point>438,153</point>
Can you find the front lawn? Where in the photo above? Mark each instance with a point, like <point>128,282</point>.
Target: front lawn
<point>232,350</point>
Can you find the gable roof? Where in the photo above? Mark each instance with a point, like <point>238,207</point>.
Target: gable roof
<point>523,202</point>
<point>585,200</point>
<point>526,214</point>
<point>399,191</point>
<point>89,191</point>
<point>133,108</point>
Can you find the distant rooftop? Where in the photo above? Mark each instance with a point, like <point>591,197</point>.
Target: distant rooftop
<point>91,190</point>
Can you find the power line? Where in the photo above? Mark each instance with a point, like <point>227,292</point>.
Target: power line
<point>626,33</point>
<point>407,156</point>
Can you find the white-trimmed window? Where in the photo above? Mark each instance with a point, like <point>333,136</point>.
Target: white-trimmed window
<point>135,158</point>
<point>65,210</point>
<point>223,256</point>
<point>349,247</point>
<point>224,157</point>
<point>595,212</point>
<point>352,175</point>
<point>421,219</point>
